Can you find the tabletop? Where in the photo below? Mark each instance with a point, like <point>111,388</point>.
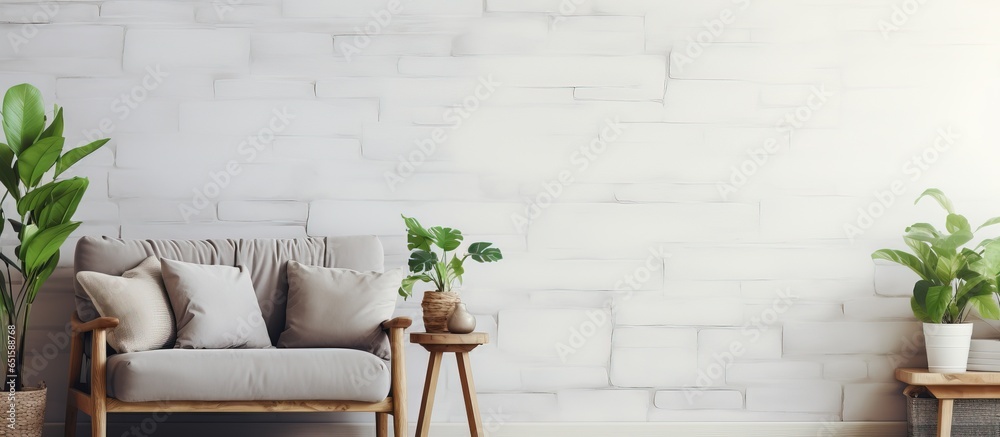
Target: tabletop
<point>925,377</point>
<point>444,338</point>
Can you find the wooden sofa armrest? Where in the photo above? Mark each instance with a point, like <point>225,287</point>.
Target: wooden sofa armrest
<point>98,323</point>
<point>398,322</point>
<point>98,361</point>
<point>397,367</point>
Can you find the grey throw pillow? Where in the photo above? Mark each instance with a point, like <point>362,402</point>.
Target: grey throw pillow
<point>215,306</point>
<point>331,307</point>
<point>138,300</point>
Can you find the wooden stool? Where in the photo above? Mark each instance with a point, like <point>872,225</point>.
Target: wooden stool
<point>461,344</point>
<point>947,387</point>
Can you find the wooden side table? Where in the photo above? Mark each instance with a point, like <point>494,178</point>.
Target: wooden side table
<point>461,344</point>
<point>950,386</point>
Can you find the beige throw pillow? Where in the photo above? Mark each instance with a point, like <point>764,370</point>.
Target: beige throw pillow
<point>339,308</point>
<point>215,306</point>
<point>138,300</point>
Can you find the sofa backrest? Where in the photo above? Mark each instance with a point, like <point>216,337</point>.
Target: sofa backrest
<point>265,258</point>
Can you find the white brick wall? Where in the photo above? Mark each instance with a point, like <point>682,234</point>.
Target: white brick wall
<point>725,165</point>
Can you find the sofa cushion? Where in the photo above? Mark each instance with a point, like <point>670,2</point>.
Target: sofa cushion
<point>265,257</point>
<point>215,306</point>
<point>267,260</point>
<point>333,307</point>
<point>138,300</point>
<point>247,375</point>
<point>113,256</point>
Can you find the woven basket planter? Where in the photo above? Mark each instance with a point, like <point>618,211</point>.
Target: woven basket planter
<point>29,412</point>
<point>437,308</point>
<point>971,418</point>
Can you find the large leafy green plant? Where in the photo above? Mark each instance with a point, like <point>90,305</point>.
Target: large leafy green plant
<point>43,211</point>
<point>426,265</point>
<point>953,278</point>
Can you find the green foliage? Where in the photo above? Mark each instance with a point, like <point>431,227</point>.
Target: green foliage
<point>953,279</point>
<point>427,266</point>
<point>44,211</point>
<point>23,116</point>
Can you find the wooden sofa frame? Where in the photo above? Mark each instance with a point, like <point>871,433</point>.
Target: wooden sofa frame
<point>97,404</point>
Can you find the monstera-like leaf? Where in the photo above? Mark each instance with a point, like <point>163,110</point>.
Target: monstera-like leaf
<point>428,266</point>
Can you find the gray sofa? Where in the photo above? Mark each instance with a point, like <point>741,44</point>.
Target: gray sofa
<point>232,380</point>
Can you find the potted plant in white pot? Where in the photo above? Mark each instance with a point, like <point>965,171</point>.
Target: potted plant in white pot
<point>42,217</point>
<point>426,265</point>
<point>954,279</point>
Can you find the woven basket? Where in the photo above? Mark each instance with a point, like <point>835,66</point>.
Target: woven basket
<point>437,308</point>
<point>29,412</point>
<point>971,418</point>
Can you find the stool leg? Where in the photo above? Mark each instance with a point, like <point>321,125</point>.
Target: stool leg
<point>945,409</point>
<point>427,401</point>
<point>469,391</point>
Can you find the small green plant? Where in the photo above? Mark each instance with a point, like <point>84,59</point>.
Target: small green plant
<point>953,278</point>
<point>44,211</point>
<point>427,266</point>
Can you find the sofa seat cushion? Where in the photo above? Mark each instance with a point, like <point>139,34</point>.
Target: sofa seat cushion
<point>247,375</point>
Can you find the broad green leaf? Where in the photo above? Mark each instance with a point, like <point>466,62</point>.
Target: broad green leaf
<point>970,255</point>
<point>988,265</point>
<point>957,222</point>
<point>414,241</point>
<point>954,315</point>
<point>39,196</point>
<point>43,275</point>
<point>947,268</point>
<point>923,253</point>
<point>55,129</point>
<point>23,116</point>
<point>989,222</point>
<point>422,261</point>
<point>918,312</point>
<point>985,242</point>
<point>26,233</point>
<point>416,236</point>
<point>925,227</point>
<point>406,287</point>
<point>456,267</point>
<point>414,227</point>
<point>923,232</point>
<point>34,161</point>
<point>73,156</point>
<point>62,205</point>
<point>482,252</point>
<point>941,199</point>
<point>968,286</point>
<point>55,202</point>
<point>44,244</point>
<point>987,306</point>
<point>8,177</point>
<point>446,238</point>
<point>920,289</point>
<point>896,256</point>
<point>938,301</point>
<point>951,243</point>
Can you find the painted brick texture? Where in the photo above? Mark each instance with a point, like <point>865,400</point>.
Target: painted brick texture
<point>687,192</point>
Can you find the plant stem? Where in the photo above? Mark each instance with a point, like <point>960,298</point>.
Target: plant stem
<point>444,273</point>
<point>19,362</point>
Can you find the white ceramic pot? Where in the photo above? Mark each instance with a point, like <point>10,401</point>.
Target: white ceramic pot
<point>947,346</point>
